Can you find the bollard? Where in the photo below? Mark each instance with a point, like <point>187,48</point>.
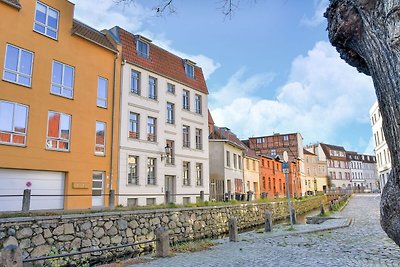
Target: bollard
<point>11,256</point>
<point>162,242</point>
<point>268,221</point>
<point>202,196</point>
<point>322,209</point>
<point>233,230</point>
<point>111,199</point>
<point>26,200</point>
<point>263,195</point>
<point>294,219</point>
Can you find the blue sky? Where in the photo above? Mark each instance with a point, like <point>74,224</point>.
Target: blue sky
<point>270,68</point>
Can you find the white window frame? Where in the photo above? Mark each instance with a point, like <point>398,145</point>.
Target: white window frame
<point>152,87</point>
<point>170,113</point>
<point>186,136</point>
<point>59,133</point>
<point>198,103</point>
<point>199,174</point>
<point>154,167</point>
<point>151,129</point>
<point>100,153</point>
<point>186,99</point>
<point>140,53</point>
<point>13,132</point>
<point>17,72</point>
<point>62,86</point>
<point>135,91</point>
<point>137,133</point>
<point>189,70</point>
<point>133,180</point>
<point>199,139</point>
<point>45,25</point>
<point>101,98</point>
<point>186,173</point>
<point>171,88</point>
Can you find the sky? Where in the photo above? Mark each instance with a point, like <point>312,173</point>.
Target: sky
<point>269,67</point>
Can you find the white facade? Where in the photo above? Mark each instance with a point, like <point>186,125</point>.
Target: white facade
<point>143,145</point>
<point>381,149</point>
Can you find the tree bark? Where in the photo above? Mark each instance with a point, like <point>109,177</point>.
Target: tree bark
<point>366,33</point>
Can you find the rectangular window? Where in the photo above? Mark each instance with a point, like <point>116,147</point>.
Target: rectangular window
<point>46,20</point>
<point>199,141</point>
<point>273,152</point>
<point>13,123</point>
<point>170,160</point>
<point>170,113</point>
<point>260,140</point>
<point>186,173</point>
<point>228,159</point>
<point>151,129</point>
<point>198,103</point>
<point>152,88</point>
<point>151,171</point>
<point>170,88</point>
<point>18,65</point>
<point>134,125</point>
<point>240,162</point>
<point>100,147</point>
<point>102,89</point>
<point>142,49</point>
<point>234,161</point>
<point>62,81</point>
<point>286,138</point>
<point>199,174</point>
<point>135,82</point>
<point>58,131</point>
<point>133,177</point>
<point>186,99</point>
<point>189,70</point>
<point>186,136</point>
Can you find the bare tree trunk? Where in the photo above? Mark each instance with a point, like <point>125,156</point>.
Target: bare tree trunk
<point>366,33</point>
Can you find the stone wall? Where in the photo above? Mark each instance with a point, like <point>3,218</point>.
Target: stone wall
<point>37,236</point>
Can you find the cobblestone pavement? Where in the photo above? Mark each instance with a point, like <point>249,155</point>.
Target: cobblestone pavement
<point>363,243</point>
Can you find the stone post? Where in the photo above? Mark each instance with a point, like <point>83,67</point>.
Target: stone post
<point>233,230</point>
<point>26,200</point>
<point>268,221</point>
<point>322,209</point>
<point>294,219</point>
<point>162,242</point>
<point>111,199</point>
<point>11,256</point>
<point>202,195</point>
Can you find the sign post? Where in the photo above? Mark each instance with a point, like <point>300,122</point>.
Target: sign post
<point>285,169</point>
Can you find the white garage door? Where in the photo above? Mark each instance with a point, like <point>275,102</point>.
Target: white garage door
<point>13,182</point>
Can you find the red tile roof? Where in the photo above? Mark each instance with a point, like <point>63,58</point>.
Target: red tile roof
<point>160,61</point>
<point>14,3</point>
<point>326,148</point>
<point>92,35</point>
<point>210,119</point>
<point>223,133</point>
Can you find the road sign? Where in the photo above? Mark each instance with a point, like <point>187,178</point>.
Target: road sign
<point>285,165</point>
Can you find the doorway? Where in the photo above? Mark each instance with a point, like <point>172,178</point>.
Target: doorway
<point>98,189</point>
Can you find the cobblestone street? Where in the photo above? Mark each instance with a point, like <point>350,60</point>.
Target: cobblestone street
<point>363,243</point>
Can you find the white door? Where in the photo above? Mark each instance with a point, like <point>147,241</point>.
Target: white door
<point>98,190</point>
<point>43,183</point>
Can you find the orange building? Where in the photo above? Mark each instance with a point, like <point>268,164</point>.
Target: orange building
<point>58,98</point>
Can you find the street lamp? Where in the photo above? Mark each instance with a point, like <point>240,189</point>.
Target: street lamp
<point>167,153</point>
<point>285,169</point>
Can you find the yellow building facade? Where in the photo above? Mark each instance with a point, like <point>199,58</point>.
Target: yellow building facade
<point>58,98</point>
<point>251,173</point>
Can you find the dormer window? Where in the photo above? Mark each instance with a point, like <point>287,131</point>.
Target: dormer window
<point>142,46</point>
<point>189,68</point>
<point>46,20</point>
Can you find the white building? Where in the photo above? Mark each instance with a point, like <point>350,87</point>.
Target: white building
<point>363,172</point>
<point>163,148</point>
<point>381,149</point>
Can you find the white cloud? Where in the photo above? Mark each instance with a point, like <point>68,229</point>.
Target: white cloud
<point>318,16</point>
<point>322,98</point>
<point>105,14</point>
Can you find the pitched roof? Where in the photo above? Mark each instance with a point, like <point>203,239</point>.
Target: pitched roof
<point>306,152</point>
<point>223,133</point>
<point>251,153</point>
<point>326,148</point>
<point>160,61</point>
<point>210,119</point>
<point>14,3</point>
<point>92,35</point>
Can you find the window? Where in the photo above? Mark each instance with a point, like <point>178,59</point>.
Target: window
<point>186,100</point>
<point>285,138</point>
<point>135,82</point>
<point>273,152</point>
<point>170,160</point>
<point>189,70</point>
<point>199,174</point>
<point>102,85</point>
<point>151,171</point>
<point>240,162</point>
<point>46,20</point>
<point>133,177</point>
<point>198,103</point>
<point>134,125</point>
<point>62,81</point>
<point>152,88</point>
<point>186,173</point>
<point>58,131</point>
<point>170,88</point>
<point>151,129</point>
<point>260,140</point>
<point>186,136</point>
<point>170,113</point>
<point>150,201</point>
<point>18,65</point>
<point>199,143</point>
<point>100,138</point>
<point>13,123</point>
<point>142,48</point>
<point>228,159</point>
<point>234,161</point>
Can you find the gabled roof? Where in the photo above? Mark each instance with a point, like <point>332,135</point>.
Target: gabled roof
<point>210,119</point>
<point>160,61</point>
<point>251,153</point>
<point>14,3</point>
<point>92,35</point>
<point>306,152</point>
<point>326,148</point>
<point>223,133</point>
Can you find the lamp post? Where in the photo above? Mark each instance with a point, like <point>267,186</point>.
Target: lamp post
<point>167,153</point>
<point>285,169</point>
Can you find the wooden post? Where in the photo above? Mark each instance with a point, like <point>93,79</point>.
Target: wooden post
<point>268,221</point>
<point>26,200</point>
<point>233,230</point>
<point>11,256</point>
<point>162,242</point>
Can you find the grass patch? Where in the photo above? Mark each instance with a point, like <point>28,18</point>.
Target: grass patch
<point>326,214</point>
<point>192,246</point>
<point>290,229</point>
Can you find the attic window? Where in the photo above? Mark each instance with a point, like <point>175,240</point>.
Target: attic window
<point>189,68</point>
<point>142,46</point>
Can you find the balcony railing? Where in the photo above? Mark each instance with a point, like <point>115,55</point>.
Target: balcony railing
<point>134,135</point>
<point>151,137</point>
